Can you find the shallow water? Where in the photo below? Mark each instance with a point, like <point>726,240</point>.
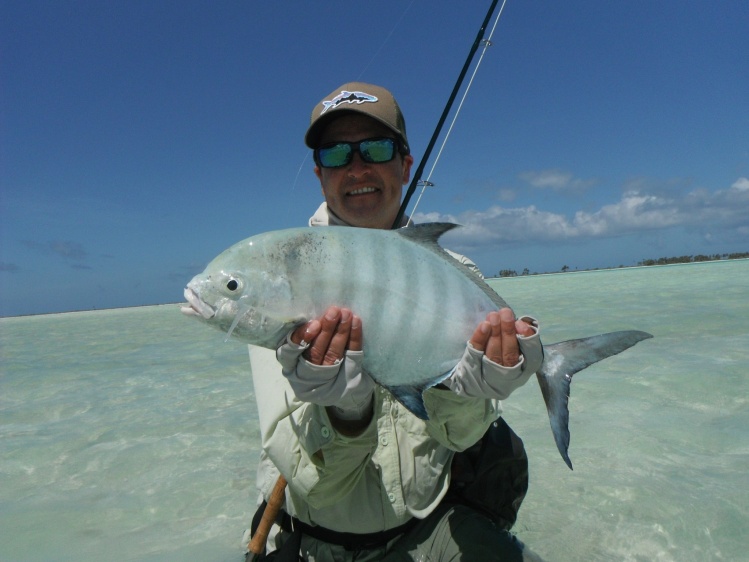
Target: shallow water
<point>132,434</point>
<point>660,434</point>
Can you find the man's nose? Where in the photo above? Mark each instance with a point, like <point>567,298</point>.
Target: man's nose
<point>358,165</point>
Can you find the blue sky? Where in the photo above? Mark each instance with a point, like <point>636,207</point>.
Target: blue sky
<point>139,139</point>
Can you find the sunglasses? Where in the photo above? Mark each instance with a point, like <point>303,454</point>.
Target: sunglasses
<point>338,154</point>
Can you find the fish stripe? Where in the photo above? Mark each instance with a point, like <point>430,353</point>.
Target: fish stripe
<point>419,305</point>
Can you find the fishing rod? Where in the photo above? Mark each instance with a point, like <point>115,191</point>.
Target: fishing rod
<point>443,117</point>
<point>256,546</point>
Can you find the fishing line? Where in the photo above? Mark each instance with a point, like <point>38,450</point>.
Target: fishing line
<point>299,171</point>
<point>426,183</point>
<point>358,78</point>
<point>443,117</point>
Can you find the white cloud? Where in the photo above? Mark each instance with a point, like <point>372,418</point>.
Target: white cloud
<point>636,211</point>
<point>557,180</point>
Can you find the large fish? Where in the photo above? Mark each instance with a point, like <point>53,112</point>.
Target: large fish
<point>418,305</point>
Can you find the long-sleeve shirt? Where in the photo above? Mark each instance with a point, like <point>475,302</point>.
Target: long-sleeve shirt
<point>398,468</point>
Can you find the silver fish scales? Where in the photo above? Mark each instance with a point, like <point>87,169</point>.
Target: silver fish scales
<point>418,305</point>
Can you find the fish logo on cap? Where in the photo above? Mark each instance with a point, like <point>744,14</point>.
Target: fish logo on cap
<point>348,97</point>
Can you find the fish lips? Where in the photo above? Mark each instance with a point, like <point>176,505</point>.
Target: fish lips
<point>197,306</point>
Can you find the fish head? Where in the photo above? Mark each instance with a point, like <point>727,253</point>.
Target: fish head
<point>216,297</point>
<point>243,301</point>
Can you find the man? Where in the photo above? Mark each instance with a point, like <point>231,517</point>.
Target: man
<point>366,478</point>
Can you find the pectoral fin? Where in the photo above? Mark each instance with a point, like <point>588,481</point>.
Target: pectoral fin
<point>412,397</point>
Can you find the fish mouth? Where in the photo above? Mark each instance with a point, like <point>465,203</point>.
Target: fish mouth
<point>197,306</point>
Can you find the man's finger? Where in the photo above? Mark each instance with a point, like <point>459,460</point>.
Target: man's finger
<point>524,328</point>
<point>510,350</point>
<point>305,333</point>
<point>481,336</point>
<point>357,335</point>
<point>493,349</point>
<point>339,340</point>
<point>319,348</point>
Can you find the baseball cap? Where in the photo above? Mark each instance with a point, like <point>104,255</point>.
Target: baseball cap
<point>357,97</point>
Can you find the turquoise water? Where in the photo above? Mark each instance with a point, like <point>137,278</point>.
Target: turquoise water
<point>132,434</point>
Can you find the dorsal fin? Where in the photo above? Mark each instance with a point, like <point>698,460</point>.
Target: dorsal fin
<point>427,234</point>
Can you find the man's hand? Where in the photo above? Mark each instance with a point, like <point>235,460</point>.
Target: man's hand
<point>500,357</point>
<point>497,337</point>
<point>330,336</point>
<point>350,405</point>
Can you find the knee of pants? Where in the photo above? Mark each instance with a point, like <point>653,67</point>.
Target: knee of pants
<point>457,533</point>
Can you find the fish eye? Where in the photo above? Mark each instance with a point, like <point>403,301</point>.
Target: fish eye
<point>230,284</point>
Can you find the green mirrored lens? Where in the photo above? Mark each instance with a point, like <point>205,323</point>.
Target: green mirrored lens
<point>380,150</point>
<point>371,150</point>
<point>336,155</point>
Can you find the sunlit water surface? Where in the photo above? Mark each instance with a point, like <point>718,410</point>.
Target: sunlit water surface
<point>132,434</point>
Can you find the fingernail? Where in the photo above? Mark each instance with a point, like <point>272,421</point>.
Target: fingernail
<point>313,327</point>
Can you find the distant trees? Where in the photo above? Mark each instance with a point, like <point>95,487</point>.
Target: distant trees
<point>512,272</point>
<point>658,261</point>
<point>693,259</point>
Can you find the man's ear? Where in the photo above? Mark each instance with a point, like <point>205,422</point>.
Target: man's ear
<point>318,173</point>
<point>408,161</point>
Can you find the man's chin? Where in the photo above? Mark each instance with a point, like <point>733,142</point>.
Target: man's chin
<point>366,219</point>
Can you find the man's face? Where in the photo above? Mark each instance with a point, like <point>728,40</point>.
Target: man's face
<point>363,194</point>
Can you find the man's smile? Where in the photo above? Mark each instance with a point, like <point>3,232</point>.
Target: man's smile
<point>362,191</point>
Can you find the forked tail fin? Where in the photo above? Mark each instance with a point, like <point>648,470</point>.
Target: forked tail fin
<point>564,359</point>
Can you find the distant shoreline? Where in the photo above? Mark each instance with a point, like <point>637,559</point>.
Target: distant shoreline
<point>614,268</point>
<point>502,277</point>
<point>86,310</point>
<point>683,260</point>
